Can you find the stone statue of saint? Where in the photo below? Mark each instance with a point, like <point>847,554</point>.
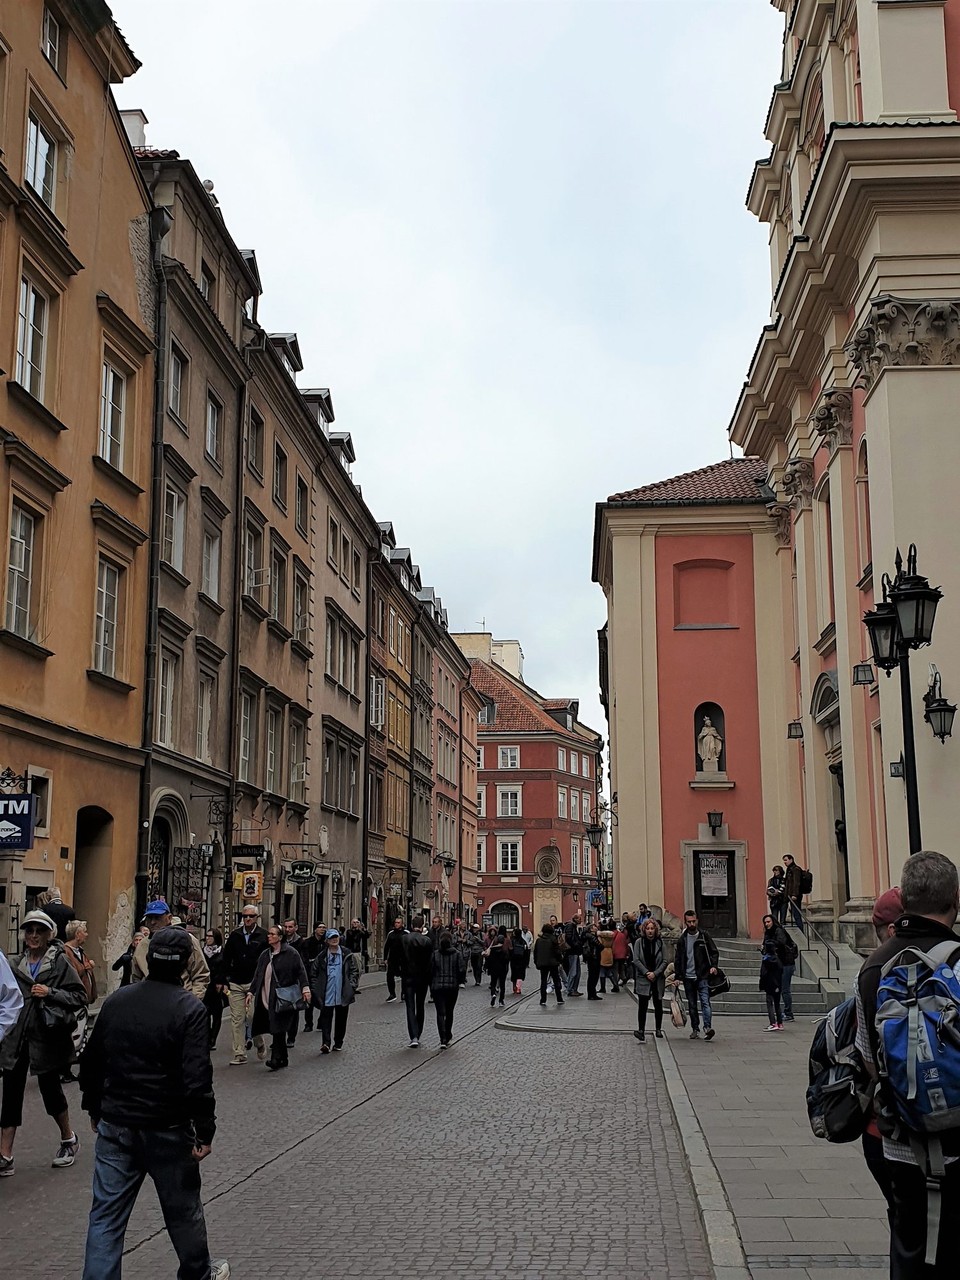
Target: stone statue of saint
<point>709,746</point>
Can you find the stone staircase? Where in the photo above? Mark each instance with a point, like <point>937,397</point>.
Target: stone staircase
<point>740,961</point>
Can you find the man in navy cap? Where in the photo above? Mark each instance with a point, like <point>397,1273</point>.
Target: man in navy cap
<point>147,1083</point>
<point>196,975</point>
<point>334,978</point>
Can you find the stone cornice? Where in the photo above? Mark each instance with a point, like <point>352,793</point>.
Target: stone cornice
<point>905,332</point>
<point>798,483</point>
<point>832,420</point>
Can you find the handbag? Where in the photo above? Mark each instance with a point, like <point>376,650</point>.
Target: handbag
<point>718,983</point>
<point>678,1015</point>
<point>289,999</point>
<point>56,1018</point>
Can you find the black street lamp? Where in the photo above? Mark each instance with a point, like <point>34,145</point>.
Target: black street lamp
<point>901,621</point>
<point>937,711</point>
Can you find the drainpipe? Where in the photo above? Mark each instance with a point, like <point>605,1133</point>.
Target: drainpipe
<point>460,693</point>
<point>365,823</point>
<point>161,220</point>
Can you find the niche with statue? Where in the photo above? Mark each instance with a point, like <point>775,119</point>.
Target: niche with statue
<point>710,749</point>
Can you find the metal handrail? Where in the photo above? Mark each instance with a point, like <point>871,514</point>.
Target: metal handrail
<point>807,928</point>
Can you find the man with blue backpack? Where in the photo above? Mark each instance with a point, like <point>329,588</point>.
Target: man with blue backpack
<point>908,1034</point>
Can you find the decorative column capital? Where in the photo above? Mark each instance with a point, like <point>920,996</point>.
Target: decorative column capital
<point>833,418</point>
<point>904,332</point>
<point>782,516</point>
<point>798,483</point>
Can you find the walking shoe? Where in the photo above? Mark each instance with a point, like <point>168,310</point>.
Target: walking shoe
<point>788,1017</point>
<point>559,1000</point>
<point>291,1041</point>
<point>501,1004</point>
<point>641,1035</point>
<point>338,1048</point>
<point>658,1034</point>
<point>220,1270</point>
<point>414,1044</point>
<point>443,1044</point>
<point>594,997</point>
<point>248,1046</point>
<point>493,1002</point>
<point>774,1026</point>
<point>543,1002</point>
<point>274,1066</point>
<point>7,1169</point>
<point>694,1035</point>
<point>238,1060</point>
<point>709,1033</point>
<point>67,1153</point>
<point>574,993</point>
<point>324,1048</point>
<point>308,1028</point>
<point>390,999</point>
<point>261,1051</point>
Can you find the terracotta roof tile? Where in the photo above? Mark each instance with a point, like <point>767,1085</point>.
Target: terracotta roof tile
<point>155,153</point>
<point>721,484</point>
<point>520,709</point>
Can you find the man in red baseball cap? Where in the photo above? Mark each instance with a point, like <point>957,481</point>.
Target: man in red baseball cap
<point>887,910</point>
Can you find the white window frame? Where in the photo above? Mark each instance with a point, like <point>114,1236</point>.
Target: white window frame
<point>106,616</point>
<point>301,608</point>
<point>247,736</point>
<point>562,803</point>
<point>575,857</point>
<point>479,757</point>
<point>51,41</point>
<point>21,568</point>
<point>585,766</point>
<point>481,802</point>
<point>574,760</point>
<point>213,428</point>
<point>271,748</point>
<point>43,184</point>
<point>562,758</point>
<point>176,385</point>
<point>278,586</point>
<point>509,802</point>
<point>32,344</point>
<point>378,700</point>
<point>515,844</point>
<point>168,671</point>
<point>206,699</point>
<point>574,805</point>
<point>587,853</point>
<point>174,526</point>
<point>210,564</point>
<point>506,759</point>
<point>298,760</point>
<point>113,414</point>
<point>481,855</point>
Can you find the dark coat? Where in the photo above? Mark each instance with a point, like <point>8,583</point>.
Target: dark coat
<point>147,1062</point>
<point>288,971</point>
<point>546,952</point>
<point>641,968</point>
<point>792,882</point>
<point>499,958</point>
<point>417,950</point>
<point>393,950</point>
<point>50,1048</point>
<point>519,959</point>
<point>771,974</point>
<point>781,940</point>
<point>350,978</point>
<point>705,956</point>
<point>776,888</point>
<point>61,915</point>
<point>240,957</point>
<point>447,969</point>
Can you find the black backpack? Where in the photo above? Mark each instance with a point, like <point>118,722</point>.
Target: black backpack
<point>806,881</point>
<point>840,1092</point>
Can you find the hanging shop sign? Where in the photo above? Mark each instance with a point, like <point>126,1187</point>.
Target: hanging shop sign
<point>18,816</point>
<point>304,872</point>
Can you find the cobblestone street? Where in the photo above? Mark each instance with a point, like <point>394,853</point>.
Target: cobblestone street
<point>387,1161</point>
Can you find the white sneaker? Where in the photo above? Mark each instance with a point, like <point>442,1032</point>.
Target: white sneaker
<point>774,1026</point>
<point>219,1269</point>
<point>414,1044</point>
<point>390,999</point>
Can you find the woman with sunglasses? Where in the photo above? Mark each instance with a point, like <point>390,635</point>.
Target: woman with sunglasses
<point>41,1042</point>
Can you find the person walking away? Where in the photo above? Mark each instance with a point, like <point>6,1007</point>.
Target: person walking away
<point>771,980</point>
<point>11,998</point>
<point>621,954</point>
<point>793,886</point>
<point>591,958</point>
<point>334,980</point>
<point>314,946</point>
<point>53,905</point>
<point>462,944</point>
<point>196,976</point>
<point>696,960</point>
<point>356,942</point>
<point>215,999</point>
<point>448,969</point>
<point>649,970</point>
<point>607,971</point>
<point>123,962</point>
<point>777,894</point>
<point>291,936</point>
<point>787,953</point>
<point>241,955</point>
<point>572,940</point>
<point>73,949</point>
<point>476,954</point>
<point>279,982</point>
<point>417,950</point>
<point>930,895</point>
<point>548,957</point>
<point>147,1084</point>
<point>498,962</point>
<point>41,1040</point>
<point>519,959</point>
<point>393,957</point>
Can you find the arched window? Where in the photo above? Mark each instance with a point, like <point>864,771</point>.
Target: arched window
<point>506,913</point>
<point>714,713</point>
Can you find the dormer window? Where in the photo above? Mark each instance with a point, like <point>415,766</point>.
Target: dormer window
<point>287,363</point>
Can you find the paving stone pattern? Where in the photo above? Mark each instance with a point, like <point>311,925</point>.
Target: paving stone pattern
<point>493,1159</point>
<point>805,1209</point>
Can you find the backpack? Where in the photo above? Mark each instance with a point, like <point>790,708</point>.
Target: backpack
<point>791,951</point>
<point>918,1031</point>
<point>840,1090</point>
<point>806,881</point>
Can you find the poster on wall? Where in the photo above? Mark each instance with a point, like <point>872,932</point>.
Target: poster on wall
<point>713,875</point>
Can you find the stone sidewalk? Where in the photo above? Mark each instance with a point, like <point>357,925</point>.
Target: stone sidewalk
<point>804,1209</point>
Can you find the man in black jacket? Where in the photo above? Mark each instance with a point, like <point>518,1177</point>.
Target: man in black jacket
<point>696,961</point>
<point>312,947</point>
<point>241,951</point>
<point>393,957</point>
<point>417,951</point>
<point>930,893</point>
<point>147,1083</point>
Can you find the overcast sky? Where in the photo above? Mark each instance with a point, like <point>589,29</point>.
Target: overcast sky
<point>511,237</point>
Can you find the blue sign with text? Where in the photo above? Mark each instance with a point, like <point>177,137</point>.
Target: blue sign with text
<point>18,814</point>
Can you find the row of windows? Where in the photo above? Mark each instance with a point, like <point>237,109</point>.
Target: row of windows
<point>509,758</point>
<point>343,556</point>
<point>270,583</point>
<point>510,803</point>
<point>509,856</point>
<point>342,663</point>
<point>341,775</point>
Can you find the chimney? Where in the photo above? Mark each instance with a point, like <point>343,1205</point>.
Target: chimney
<point>135,123</point>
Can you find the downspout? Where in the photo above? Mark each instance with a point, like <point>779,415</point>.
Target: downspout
<point>161,221</point>
<point>460,693</point>
<point>365,823</point>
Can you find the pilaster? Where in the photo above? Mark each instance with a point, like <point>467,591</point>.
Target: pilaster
<point>903,60</point>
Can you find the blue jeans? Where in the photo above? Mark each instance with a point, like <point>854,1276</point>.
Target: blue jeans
<point>698,990</point>
<point>123,1159</point>
<point>573,974</point>
<point>796,918</point>
<point>785,992</point>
